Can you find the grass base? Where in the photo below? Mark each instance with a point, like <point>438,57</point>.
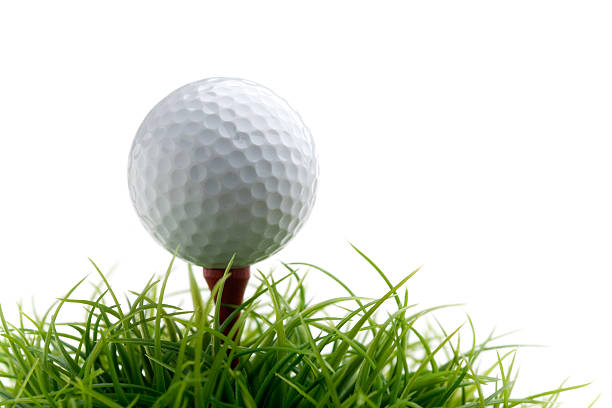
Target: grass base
<point>336,353</point>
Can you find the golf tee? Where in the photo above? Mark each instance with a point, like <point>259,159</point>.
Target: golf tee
<point>233,293</point>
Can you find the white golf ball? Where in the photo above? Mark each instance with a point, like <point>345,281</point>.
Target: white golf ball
<point>223,166</point>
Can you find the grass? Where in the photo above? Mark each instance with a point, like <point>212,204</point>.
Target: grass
<point>293,352</point>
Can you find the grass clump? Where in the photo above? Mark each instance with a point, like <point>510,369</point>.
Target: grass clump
<point>293,353</point>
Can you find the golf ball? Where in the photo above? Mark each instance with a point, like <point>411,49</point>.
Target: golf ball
<point>223,166</point>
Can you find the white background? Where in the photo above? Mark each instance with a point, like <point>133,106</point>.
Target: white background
<point>472,138</point>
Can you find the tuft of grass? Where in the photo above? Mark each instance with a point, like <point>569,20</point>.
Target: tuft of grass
<point>293,352</point>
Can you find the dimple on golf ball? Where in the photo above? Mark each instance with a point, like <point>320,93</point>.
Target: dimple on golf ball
<point>223,166</point>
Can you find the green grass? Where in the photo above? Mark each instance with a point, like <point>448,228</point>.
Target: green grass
<point>343,352</point>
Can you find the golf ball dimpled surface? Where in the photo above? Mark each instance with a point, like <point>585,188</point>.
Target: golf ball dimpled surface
<point>220,167</point>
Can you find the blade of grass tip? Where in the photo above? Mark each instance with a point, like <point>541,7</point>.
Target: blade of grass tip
<point>157,369</point>
<point>258,293</point>
<point>142,296</point>
<point>453,358</point>
<point>87,340</point>
<point>134,401</point>
<point>172,328</point>
<point>21,336</point>
<point>557,391</point>
<point>110,290</point>
<point>504,379</point>
<point>219,286</point>
<point>161,363</point>
<point>11,342</point>
<point>340,282</point>
<point>45,380</point>
<point>299,289</point>
<point>217,295</point>
<point>332,276</point>
<point>489,370</point>
<point>61,347</point>
<point>403,339</point>
<point>279,323</point>
<point>331,389</point>
<point>126,355</point>
<point>237,330</point>
<point>266,337</point>
<point>274,295</point>
<point>380,272</point>
<point>196,295</point>
<point>366,317</point>
<point>141,330</point>
<point>477,383</point>
<point>552,399</point>
<point>178,368</point>
<point>473,349</point>
<point>592,404</point>
<point>20,311</point>
<point>377,353</point>
<point>48,313</point>
<point>425,362</point>
<point>444,333</point>
<point>509,375</point>
<point>434,366</point>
